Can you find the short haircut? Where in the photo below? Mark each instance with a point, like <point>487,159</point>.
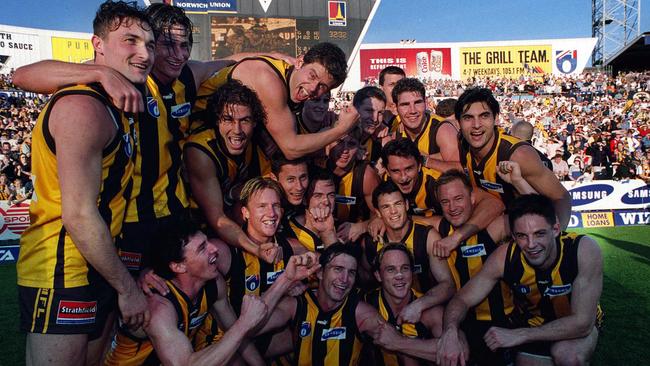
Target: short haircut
<point>367,92</point>
<point>163,17</point>
<point>111,15</point>
<point>523,130</point>
<point>170,241</point>
<point>337,249</point>
<point>531,204</point>
<point>402,147</point>
<point>450,176</point>
<point>408,85</point>
<point>331,57</point>
<point>390,70</point>
<point>278,160</point>
<point>390,247</point>
<point>476,95</point>
<point>385,187</point>
<point>258,184</point>
<point>234,93</point>
<point>317,175</point>
<point>445,108</point>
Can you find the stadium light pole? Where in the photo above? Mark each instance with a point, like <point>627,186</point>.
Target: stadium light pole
<point>615,23</point>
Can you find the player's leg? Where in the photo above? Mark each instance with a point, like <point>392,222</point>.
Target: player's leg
<point>56,349</point>
<point>575,351</point>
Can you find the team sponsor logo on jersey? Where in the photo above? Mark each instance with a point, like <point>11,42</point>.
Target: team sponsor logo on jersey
<point>522,289</point>
<point>334,333</point>
<point>477,250</point>
<point>345,200</point>
<point>168,96</point>
<point>152,107</point>
<point>131,260</point>
<point>197,321</point>
<point>417,268</point>
<point>76,312</point>
<point>128,144</point>
<point>181,110</point>
<point>305,329</point>
<point>272,276</point>
<point>558,290</point>
<point>252,282</point>
<point>492,186</point>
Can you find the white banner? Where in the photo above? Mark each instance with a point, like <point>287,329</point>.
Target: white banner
<point>609,195</point>
<point>17,49</point>
<point>14,219</point>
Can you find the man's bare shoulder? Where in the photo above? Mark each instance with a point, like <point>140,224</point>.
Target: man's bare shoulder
<point>259,76</point>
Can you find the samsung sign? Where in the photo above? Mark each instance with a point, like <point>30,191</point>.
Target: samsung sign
<point>637,196</point>
<point>587,194</point>
<point>202,6</point>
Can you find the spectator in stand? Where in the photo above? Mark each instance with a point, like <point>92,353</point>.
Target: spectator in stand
<point>560,167</point>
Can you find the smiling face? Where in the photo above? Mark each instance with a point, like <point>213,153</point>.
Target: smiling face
<point>200,257</point>
<point>323,196</point>
<point>456,202</point>
<point>337,278</point>
<point>403,171</point>
<point>236,127</point>
<point>395,274</point>
<point>536,239</point>
<point>477,126</point>
<point>309,81</point>
<point>392,209</point>
<point>129,49</point>
<point>172,52</point>
<point>315,109</point>
<point>410,108</point>
<point>294,180</point>
<point>371,114</point>
<point>344,152</point>
<point>263,212</point>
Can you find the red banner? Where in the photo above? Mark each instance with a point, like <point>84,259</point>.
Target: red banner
<point>433,63</point>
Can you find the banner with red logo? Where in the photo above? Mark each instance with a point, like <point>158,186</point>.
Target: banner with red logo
<point>423,63</point>
<point>14,219</point>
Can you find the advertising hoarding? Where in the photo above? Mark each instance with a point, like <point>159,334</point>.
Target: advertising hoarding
<point>75,50</point>
<point>205,6</point>
<point>505,61</point>
<point>432,63</point>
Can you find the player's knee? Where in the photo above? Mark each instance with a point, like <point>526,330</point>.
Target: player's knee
<point>567,357</point>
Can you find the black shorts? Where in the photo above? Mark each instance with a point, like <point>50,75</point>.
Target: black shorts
<point>479,352</point>
<point>77,310</point>
<point>134,244</point>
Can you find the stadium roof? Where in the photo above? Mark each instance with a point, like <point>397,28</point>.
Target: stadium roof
<point>634,57</point>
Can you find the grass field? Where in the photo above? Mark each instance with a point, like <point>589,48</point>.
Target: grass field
<point>626,300</point>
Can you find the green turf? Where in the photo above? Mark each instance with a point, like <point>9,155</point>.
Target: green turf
<point>626,300</point>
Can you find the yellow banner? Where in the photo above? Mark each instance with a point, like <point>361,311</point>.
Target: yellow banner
<point>505,61</point>
<point>597,219</point>
<point>72,49</point>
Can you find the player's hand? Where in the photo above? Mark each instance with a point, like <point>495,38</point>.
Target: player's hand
<point>253,311</point>
<point>301,266</point>
<point>351,231</point>
<point>450,352</point>
<point>268,252</point>
<point>442,248</point>
<point>509,171</point>
<point>149,280</point>
<point>376,228</point>
<point>348,117</point>
<point>319,222</point>
<point>496,338</point>
<point>122,92</point>
<point>133,308</point>
<point>411,313</point>
<point>387,337</point>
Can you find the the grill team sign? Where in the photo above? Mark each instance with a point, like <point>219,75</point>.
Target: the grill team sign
<point>505,61</point>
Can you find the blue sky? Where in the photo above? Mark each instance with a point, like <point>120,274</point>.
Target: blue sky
<point>424,20</point>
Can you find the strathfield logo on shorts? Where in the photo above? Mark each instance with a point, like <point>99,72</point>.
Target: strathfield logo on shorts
<point>252,282</point>
<point>492,186</point>
<point>559,290</point>
<point>272,276</point>
<point>181,110</point>
<point>477,250</point>
<point>333,333</point>
<point>305,329</point>
<point>76,312</point>
<point>131,260</point>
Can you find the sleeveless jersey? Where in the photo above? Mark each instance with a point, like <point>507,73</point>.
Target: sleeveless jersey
<point>418,330</point>
<point>465,262</point>
<point>326,338</point>
<point>350,201</point>
<point>415,240</point>
<point>127,349</point>
<point>542,296</point>
<point>232,171</point>
<point>249,274</point>
<point>426,139</point>
<point>483,174</point>
<point>422,200</point>
<point>373,148</point>
<point>48,257</point>
<point>158,188</point>
<point>307,238</point>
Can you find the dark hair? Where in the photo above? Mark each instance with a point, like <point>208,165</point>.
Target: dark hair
<point>385,187</point>
<point>163,17</point>
<point>408,85</point>
<point>170,241</point>
<point>278,160</point>
<point>234,92</point>
<point>332,58</point>
<point>337,249</point>
<point>450,176</point>
<point>402,147</point>
<point>368,92</point>
<point>476,95</point>
<point>111,15</point>
<point>390,70</point>
<point>446,107</point>
<point>390,247</point>
<point>531,204</point>
<point>316,175</point>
